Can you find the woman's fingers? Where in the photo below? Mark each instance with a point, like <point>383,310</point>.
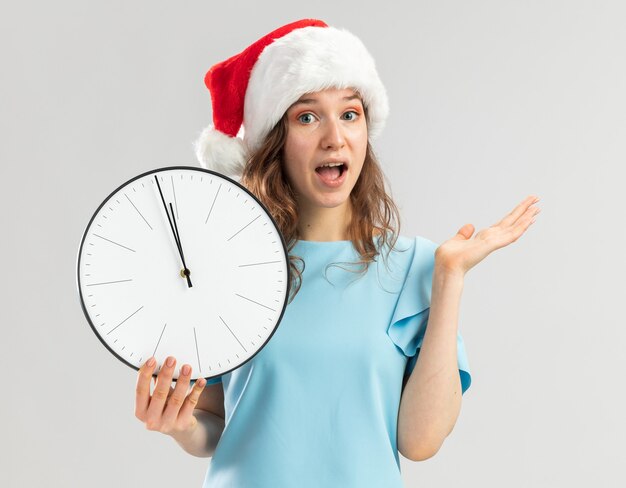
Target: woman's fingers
<point>162,389</point>
<point>142,391</point>
<point>177,398</point>
<point>169,409</point>
<point>192,400</point>
<point>518,211</point>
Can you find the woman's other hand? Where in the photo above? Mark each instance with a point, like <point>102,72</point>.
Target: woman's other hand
<point>169,410</point>
<point>459,254</point>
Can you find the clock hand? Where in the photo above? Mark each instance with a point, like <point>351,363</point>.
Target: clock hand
<point>180,251</point>
<point>180,248</point>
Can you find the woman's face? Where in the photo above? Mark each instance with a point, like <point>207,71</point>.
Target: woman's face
<point>328,126</point>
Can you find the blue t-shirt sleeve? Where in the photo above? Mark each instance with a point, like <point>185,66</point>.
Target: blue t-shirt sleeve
<point>410,318</point>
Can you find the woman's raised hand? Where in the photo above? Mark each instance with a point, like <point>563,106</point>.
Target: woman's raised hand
<point>459,254</point>
<point>169,410</point>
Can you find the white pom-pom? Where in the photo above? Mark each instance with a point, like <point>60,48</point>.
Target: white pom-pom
<point>220,152</point>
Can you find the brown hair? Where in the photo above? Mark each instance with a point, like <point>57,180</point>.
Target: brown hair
<point>373,211</point>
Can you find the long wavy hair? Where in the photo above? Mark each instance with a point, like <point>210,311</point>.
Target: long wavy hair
<point>373,210</point>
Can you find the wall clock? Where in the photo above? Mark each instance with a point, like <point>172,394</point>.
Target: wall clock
<point>183,261</point>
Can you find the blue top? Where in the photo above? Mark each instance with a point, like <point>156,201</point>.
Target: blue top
<point>318,405</point>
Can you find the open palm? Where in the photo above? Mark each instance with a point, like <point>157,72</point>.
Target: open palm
<point>460,254</point>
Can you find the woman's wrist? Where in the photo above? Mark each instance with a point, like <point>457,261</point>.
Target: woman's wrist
<point>445,274</point>
<point>201,439</point>
<point>184,435</point>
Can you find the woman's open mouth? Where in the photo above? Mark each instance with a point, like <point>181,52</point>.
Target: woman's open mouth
<point>332,175</point>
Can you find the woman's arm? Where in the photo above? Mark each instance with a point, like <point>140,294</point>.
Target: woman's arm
<point>431,399</point>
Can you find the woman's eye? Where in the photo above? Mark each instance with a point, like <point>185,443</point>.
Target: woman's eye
<point>351,115</point>
<point>306,118</point>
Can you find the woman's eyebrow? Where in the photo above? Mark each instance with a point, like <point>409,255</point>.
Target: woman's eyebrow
<point>310,101</point>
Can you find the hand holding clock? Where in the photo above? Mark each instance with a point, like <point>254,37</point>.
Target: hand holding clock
<point>169,410</point>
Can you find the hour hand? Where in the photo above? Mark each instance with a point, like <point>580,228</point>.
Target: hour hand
<point>185,271</point>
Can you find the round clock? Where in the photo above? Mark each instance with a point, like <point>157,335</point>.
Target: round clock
<point>186,262</point>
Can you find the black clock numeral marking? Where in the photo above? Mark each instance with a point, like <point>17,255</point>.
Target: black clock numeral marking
<point>113,242</point>
<point>214,199</point>
<point>256,264</point>
<point>159,341</point>
<point>125,320</point>
<point>232,334</point>
<point>108,282</point>
<point>260,304</point>
<point>144,219</point>
<point>243,227</point>
<point>197,353</point>
<point>174,192</point>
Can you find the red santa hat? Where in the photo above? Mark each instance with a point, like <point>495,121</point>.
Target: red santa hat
<point>252,90</point>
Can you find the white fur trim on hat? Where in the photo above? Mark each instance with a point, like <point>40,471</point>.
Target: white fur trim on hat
<point>220,152</point>
<point>304,61</point>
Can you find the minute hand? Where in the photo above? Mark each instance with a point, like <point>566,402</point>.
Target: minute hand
<point>178,246</point>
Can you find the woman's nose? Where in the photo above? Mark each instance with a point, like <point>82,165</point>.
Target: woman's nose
<point>333,137</point>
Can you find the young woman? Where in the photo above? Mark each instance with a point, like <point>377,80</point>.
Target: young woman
<point>367,361</point>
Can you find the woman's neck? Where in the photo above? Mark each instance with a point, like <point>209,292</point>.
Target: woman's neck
<point>324,224</point>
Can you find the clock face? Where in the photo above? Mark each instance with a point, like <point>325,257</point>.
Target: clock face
<point>135,290</point>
